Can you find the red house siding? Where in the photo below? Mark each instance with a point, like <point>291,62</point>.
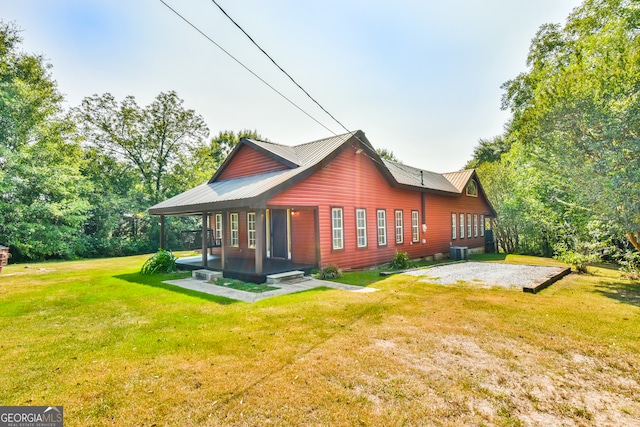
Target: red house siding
<point>303,237</point>
<point>352,181</point>
<point>249,161</point>
<point>439,210</point>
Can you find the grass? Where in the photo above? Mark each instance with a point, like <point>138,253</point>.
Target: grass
<point>246,286</point>
<point>118,348</point>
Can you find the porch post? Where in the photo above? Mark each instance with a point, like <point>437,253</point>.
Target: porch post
<point>224,233</point>
<point>205,249</point>
<point>260,239</point>
<point>162,232</point>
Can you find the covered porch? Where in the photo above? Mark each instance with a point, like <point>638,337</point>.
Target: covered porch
<point>250,243</point>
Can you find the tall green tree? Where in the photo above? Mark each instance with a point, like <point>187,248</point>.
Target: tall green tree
<point>577,111</point>
<point>154,139</point>
<point>42,190</point>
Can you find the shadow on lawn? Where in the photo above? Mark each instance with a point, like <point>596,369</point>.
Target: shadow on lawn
<point>628,293</point>
<point>156,281</point>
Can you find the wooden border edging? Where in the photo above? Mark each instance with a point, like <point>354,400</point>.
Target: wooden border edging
<point>536,287</point>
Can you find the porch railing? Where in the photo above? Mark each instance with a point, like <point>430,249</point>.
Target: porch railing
<point>192,239</point>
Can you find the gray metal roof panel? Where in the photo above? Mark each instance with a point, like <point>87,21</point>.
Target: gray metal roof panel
<point>408,175</point>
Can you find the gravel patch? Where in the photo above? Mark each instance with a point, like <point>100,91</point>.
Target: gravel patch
<point>486,274</point>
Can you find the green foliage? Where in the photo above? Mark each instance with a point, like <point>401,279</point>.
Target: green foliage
<point>329,272</point>
<point>629,263</point>
<point>400,261</point>
<point>154,140</point>
<point>162,262</point>
<point>568,156</point>
<point>577,110</point>
<point>387,154</point>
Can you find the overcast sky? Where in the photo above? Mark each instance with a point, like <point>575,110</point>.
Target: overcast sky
<point>419,77</point>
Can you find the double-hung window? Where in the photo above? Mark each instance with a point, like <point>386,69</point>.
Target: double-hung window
<point>475,225</point>
<point>462,226</point>
<point>415,226</point>
<point>251,230</point>
<point>482,225</point>
<point>361,227</point>
<point>218,227</point>
<point>469,226</point>
<point>454,227</point>
<point>235,236</point>
<point>399,227</point>
<point>381,216</point>
<point>337,227</point>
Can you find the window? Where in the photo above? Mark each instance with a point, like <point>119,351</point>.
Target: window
<point>482,225</point>
<point>462,226</point>
<point>218,227</point>
<point>337,227</point>
<point>399,228</point>
<point>472,188</point>
<point>475,225</point>
<point>469,226</point>
<point>454,228</point>
<point>415,226</point>
<point>361,227</point>
<point>235,240</point>
<point>382,227</point>
<point>251,230</point>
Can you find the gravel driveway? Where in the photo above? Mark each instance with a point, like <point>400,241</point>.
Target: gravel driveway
<point>486,274</point>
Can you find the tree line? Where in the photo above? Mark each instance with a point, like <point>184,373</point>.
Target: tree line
<point>78,182</point>
<point>564,176</point>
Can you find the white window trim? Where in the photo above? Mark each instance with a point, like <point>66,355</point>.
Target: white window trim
<point>251,230</point>
<point>234,227</point>
<point>482,225</point>
<point>415,226</point>
<point>461,226</point>
<point>337,228</point>
<point>399,226</point>
<point>475,225</point>
<point>469,226</point>
<point>381,215</point>
<point>454,226</point>
<point>361,228</point>
<point>218,226</point>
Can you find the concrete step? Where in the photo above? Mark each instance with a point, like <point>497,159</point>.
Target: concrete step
<point>206,275</point>
<point>283,277</point>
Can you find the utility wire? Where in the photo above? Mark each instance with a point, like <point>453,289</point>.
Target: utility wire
<point>249,70</point>
<point>279,67</point>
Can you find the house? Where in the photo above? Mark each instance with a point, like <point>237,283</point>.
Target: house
<point>272,208</point>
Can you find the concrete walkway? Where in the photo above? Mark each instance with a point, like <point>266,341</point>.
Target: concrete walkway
<point>285,288</point>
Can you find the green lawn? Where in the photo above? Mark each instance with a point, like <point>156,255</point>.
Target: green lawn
<point>118,348</point>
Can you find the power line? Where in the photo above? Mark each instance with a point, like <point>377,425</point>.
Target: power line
<point>248,69</point>
<point>279,67</point>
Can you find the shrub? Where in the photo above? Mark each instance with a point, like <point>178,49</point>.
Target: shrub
<point>630,264</point>
<point>583,254</point>
<point>162,262</point>
<point>400,261</point>
<point>330,271</point>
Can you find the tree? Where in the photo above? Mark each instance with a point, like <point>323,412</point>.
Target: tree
<point>28,94</point>
<point>387,154</point>
<point>153,139</point>
<point>42,191</point>
<point>577,111</point>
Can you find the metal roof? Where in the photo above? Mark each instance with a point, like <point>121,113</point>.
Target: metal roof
<point>239,191</point>
<point>459,179</point>
<point>252,190</point>
<point>423,179</point>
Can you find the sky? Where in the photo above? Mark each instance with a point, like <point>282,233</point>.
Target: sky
<point>420,77</point>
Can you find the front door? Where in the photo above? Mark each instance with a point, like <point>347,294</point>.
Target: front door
<point>279,236</point>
